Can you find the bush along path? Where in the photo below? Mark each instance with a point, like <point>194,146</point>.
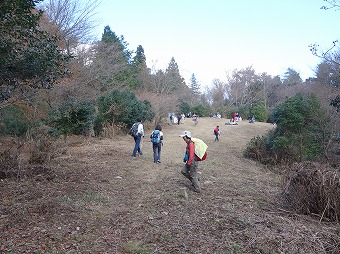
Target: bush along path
<point>98,199</point>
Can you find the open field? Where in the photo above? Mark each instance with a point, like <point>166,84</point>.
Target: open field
<point>97,199</point>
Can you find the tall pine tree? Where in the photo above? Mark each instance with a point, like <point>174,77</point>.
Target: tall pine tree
<point>195,90</point>
<point>174,80</point>
<point>141,74</point>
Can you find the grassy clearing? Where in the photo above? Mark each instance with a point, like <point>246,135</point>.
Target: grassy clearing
<point>100,200</point>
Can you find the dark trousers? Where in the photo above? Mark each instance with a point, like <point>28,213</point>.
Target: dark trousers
<point>137,146</point>
<point>157,152</point>
<point>191,172</point>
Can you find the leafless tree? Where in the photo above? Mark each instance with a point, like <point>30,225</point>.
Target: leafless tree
<point>332,4</point>
<point>73,20</point>
<point>218,94</point>
<point>96,70</point>
<point>242,84</point>
<point>161,104</point>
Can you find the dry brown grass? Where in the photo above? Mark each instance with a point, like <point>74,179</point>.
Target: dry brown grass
<point>313,188</point>
<point>99,200</point>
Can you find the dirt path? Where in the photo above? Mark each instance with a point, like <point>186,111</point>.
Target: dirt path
<point>103,201</point>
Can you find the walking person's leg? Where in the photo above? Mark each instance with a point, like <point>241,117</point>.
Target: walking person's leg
<point>154,147</point>
<point>140,146</point>
<point>159,148</point>
<point>194,176</point>
<point>136,149</point>
<point>185,172</point>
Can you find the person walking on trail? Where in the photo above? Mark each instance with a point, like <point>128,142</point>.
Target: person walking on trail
<point>138,138</point>
<point>217,133</point>
<point>190,169</point>
<point>157,142</point>
<point>195,119</point>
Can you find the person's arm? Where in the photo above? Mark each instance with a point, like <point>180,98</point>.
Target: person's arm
<point>191,153</point>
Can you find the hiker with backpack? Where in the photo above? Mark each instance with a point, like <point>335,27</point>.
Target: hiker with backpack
<point>156,139</point>
<point>190,169</point>
<point>137,132</point>
<point>217,133</point>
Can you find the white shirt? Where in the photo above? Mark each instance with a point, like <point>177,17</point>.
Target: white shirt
<point>140,129</point>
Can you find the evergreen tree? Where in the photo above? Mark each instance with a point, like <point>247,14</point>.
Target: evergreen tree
<point>141,74</point>
<point>110,63</point>
<point>139,58</point>
<point>291,77</point>
<point>195,86</point>
<point>195,90</point>
<point>175,82</point>
<point>110,37</point>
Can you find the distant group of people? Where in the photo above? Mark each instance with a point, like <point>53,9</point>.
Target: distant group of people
<point>217,115</point>
<point>176,119</point>
<point>237,117</point>
<point>231,122</point>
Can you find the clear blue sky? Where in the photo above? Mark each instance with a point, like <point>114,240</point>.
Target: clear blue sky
<point>210,37</point>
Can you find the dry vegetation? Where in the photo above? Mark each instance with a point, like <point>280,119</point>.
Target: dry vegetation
<point>96,199</point>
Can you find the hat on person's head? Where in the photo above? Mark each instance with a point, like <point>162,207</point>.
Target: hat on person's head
<point>186,133</point>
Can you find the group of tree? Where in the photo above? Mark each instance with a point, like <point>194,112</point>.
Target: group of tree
<point>48,64</point>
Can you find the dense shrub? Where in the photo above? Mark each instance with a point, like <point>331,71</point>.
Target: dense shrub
<point>296,137</point>
<point>123,108</point>
<point>259,111</point>
<point>184,108</point>
<point>260,148</point>
<point>13,121</point>
<point>199,110</point>
<point>71,117</point>
<point>297,122</point>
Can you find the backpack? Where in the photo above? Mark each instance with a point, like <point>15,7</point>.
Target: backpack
<point>156,137</point>
<point>200,149</point>
<point>134,130</point>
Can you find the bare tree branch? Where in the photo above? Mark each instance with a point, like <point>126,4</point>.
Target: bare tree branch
<point>74,20</point>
